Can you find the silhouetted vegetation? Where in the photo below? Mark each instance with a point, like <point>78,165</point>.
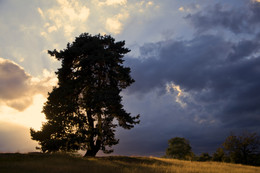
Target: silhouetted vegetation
<point>243,149</point>
<point>82,109</point>
<point>179,148</point>
<point>204,157</point>
<point>219,155</point>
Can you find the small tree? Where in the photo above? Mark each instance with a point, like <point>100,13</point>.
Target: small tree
<point>179,148</point>
<point>204,157</point>
<point>242,149</point>
<point>81,111</point>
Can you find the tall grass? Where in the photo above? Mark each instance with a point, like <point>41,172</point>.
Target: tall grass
<point>46,163</point>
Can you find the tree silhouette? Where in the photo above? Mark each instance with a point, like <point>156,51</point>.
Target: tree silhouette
<point>82,109</point>
<point>219,155</point>
<point>179,148</point>
<point>204,157</point>
<point>242,149</point>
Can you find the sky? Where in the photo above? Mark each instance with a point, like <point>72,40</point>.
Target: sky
<point>196,64</point>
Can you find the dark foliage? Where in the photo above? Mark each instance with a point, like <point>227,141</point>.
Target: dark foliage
<point>82,109</point>
<point>219,155</point>
<point>204,157</point>
<point>243,149</point>
<point>179,148</point>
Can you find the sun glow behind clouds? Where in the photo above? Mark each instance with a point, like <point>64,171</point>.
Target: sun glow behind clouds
<point>15,138</point>
<point>22,95</point>
<point>31,117</point>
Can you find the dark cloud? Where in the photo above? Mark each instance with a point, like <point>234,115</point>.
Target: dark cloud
<point>181,62</point>
<point>219,78</point>
<point>209,68</point>
<point>238,20</point>
<point>17,88</point>
<point>243,49</point>
<point>161,120</point>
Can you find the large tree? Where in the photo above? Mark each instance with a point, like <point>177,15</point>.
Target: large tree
<point>82,109</point>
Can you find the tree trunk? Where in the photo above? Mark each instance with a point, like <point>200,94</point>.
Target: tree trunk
<point>91,153</point>
<point>93,146</point>
<point>94,149</point>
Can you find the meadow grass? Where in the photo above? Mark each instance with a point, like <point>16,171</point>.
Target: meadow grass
<point>50,163</point>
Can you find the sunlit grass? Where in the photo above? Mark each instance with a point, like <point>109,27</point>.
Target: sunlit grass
<point>44,163</point>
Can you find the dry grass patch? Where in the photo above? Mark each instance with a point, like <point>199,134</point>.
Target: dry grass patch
<point>46,163</point>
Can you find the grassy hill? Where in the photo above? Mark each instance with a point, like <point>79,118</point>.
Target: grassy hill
<point>46,163</point>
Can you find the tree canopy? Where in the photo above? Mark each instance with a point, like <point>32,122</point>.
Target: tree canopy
<point>243,149</point>
<point>81,110</point>
<point>219,155</point>
<point>179,148</point>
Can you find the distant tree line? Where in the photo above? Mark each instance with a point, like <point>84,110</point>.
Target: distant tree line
<point>242,149</point>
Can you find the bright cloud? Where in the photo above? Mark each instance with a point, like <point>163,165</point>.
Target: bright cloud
<point>189,8</point>
<point>40,12</point>
<point>114,24</point>
<point>181,9</point>
<point>52,28</point>
<point>113,2</point>
<point>172,88</point>
<point>64,17</point>
<point>17,87</point>
<point>150,3</point>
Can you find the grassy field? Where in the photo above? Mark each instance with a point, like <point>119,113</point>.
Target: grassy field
<point>45,163</point>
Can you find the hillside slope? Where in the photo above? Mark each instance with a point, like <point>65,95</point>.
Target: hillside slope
<point>45,163</point>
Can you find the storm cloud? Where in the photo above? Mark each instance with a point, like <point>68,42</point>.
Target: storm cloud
<point>213,79</point>
<point>244,19</point>
<point>214,71</point>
